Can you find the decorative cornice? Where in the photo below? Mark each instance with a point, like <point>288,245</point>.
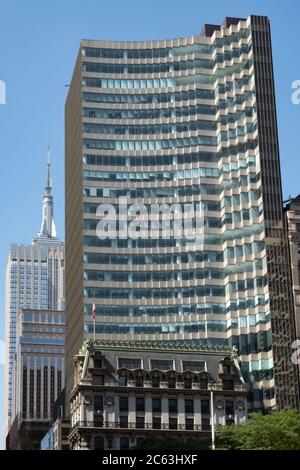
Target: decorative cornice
<point>100,344</point>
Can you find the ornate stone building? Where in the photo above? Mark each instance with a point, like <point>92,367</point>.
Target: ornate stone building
<point>126,391</point>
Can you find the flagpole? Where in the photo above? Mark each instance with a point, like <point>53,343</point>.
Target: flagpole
<point>94,320</point>
<point>212,418</point>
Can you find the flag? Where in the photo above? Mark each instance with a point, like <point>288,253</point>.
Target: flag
<point>94,311</point>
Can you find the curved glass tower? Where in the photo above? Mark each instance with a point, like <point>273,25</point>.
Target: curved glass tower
<point>183,121</point>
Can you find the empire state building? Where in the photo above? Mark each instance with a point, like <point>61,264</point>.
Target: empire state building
<point>34,281</point>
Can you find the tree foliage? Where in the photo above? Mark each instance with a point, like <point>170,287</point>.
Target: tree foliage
<point>171,443</point>
<point>276,431</point>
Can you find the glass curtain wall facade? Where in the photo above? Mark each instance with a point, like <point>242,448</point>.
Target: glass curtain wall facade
<point>40,372</point>
<point>176,121</point>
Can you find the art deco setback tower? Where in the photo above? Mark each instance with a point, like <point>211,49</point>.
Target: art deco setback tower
<point>184,120</point>
<point>34,280</point>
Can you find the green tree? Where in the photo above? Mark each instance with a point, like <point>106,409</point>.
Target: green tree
<point>172,443</point>
<point>276,431</point>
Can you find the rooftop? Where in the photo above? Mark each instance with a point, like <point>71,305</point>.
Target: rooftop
<point>154,346</point>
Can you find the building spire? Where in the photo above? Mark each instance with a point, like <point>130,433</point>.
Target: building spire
<point>49,182</point>
<point>48,226</point>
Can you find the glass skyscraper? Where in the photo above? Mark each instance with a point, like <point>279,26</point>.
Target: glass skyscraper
<point>186,120</point>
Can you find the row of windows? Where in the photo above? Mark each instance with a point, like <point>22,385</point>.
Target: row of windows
<point>154,276</point>
<point>149,68</point>
<point>166,113</point>
<point>172,97</point>
<point>167,227</point>
<point>157,160</point>
<point>144,53</point>
<point>130,84</point>
<point>181,159</point>
<point>190,309</point>
<point>153,160</point>
<point>43,329</point>
<point>138,145</point>
<point>149,129</point>
<point>176,293</point>
<point>163,276</point>
<point>172,192</point>
<point>168,129</point>
<point>37,317</point>
<point>164,365</point>
<point>149,98</point>
<point>42,340</point>
<point>157,405</point>
<point>179,175</point>
<point>246,321</point>
<point>160,258</point>
<point>209,239</point>
<point>104,113</point>
<point>165,67</point>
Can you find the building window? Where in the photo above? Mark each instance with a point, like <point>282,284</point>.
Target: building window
<point>173,423</point>
<point>193,366</point>
<point>205,424</point>
<point>98,443</point>
<point>155,382</point>
<point>97,363</point>
<point>205,409</point>
<point>187,383</point>
<point>227,384</point>
<point>229,409</point>
<point>172,405</point>
<point>98,380</point>
<point>98,403</point>
<point>123,403</point>
<point>203,383</point>
<point>124,443</point>
<point>171,382</point>
<point>226,369</point>
<point>189,406</point>
<point>98,421</point>
<point>156,405</point>
<point>123,421</point>
<point>140,404</point>
<point>129,363</point>
<point>189,424</point>
<point>123,380</point>
<point>161,365</point>
<point>140,422</point>
<point>156,423</point>
<point>139,381</point>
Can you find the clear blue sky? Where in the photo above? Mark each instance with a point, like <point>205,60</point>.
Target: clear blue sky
<point>39,40</point>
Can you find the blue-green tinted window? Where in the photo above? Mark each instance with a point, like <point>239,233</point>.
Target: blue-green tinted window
<point>161,365</point>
